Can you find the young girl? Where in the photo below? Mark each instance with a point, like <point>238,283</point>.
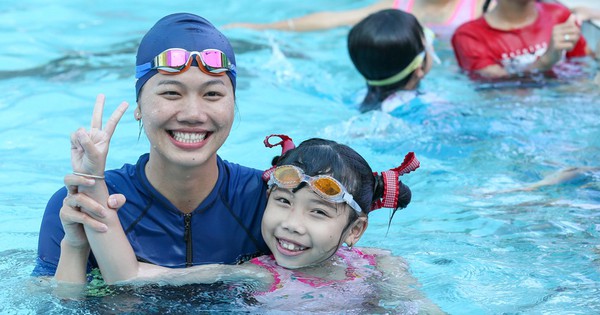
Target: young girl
<point>319,196</point>
<point>393,52</point>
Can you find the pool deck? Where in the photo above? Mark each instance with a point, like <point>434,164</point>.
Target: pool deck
<point>590,29</point>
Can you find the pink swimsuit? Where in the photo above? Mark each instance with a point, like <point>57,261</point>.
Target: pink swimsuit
<point>292,288</point>
<point>464,11</point>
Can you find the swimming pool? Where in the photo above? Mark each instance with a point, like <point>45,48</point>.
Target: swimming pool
<point>474,250</point>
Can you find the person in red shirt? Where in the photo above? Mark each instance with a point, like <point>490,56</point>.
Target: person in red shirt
<point>516,37</point>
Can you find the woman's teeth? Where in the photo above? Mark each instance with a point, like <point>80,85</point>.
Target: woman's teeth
<point>187,137</point>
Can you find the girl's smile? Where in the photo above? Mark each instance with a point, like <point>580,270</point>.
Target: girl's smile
<point>301,228</point>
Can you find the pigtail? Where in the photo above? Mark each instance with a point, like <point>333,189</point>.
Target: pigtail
<point>404,196</point>
<point>392,186</point>
<point>389,191</point>
<point>378,188</point>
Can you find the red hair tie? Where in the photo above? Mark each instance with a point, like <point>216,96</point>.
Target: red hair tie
<point>391,186</point>
<point>286,144</point>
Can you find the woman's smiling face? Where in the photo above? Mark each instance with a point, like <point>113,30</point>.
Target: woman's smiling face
<point>187,117</point>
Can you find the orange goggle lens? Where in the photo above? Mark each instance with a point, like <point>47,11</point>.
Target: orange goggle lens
<point>327,187</point>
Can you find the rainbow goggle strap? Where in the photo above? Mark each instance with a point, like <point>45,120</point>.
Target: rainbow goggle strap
<point>327,187</point>
<point>414,64</point>
<point>177,60</point>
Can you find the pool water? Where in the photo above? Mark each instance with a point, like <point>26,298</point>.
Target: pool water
<point>476,243</point>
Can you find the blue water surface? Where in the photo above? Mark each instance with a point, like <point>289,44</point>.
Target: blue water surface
<point>477,244</point>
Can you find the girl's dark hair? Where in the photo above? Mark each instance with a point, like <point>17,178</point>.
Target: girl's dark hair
<point>380,46</point>
<point>325,157</point>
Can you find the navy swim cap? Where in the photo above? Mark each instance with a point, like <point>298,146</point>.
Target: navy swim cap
<point>181,30</point>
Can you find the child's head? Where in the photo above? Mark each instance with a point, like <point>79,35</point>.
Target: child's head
<point>307,219</point>
<point>388,49</point>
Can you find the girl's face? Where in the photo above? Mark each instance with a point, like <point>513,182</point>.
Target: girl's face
<point>303,229</point>
<point>187,116</point>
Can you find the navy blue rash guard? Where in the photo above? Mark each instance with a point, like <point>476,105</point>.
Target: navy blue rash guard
<point>224,229</point>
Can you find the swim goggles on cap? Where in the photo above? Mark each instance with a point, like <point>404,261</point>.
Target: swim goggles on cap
<point>414,64</point>
<point>177,60</point>
<point>327,187</point>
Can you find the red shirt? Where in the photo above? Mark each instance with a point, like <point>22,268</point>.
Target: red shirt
<point>478,45</point>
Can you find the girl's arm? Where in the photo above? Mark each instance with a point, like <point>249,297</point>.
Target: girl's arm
<point>398,284</point>
<point>319,20</point>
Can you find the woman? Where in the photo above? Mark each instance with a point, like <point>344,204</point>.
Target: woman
<point>516,37</point>
<point>185,206</point>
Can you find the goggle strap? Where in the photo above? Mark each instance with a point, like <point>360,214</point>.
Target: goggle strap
<point>286,144</point>
<point>266,176</point>
<point>142,69</point>
<point>352,203</point>
<point>412,66</point>
<point>391,186</point>
<point>233,71</point>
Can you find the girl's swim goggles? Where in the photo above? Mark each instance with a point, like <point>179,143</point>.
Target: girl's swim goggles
<point>177,60</point>
<point>327,187</point>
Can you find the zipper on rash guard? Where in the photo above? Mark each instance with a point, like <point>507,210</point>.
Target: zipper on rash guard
<point>187,235</point>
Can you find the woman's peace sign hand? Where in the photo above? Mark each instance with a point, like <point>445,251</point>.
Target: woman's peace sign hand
<point>89,148</point>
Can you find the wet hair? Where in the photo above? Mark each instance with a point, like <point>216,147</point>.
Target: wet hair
<point>325,157</point>
<point>382,45</point>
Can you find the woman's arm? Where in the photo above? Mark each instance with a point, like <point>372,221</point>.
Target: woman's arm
<point>212,273</point>
<point>319,20</point>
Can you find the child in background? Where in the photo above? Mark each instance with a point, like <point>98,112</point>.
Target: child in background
<point>518,37</point>
<point>393,52</point>
<point>319,196</point>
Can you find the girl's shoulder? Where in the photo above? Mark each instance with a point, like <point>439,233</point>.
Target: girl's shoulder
<point>385,259</point>
<point>374,251</point>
